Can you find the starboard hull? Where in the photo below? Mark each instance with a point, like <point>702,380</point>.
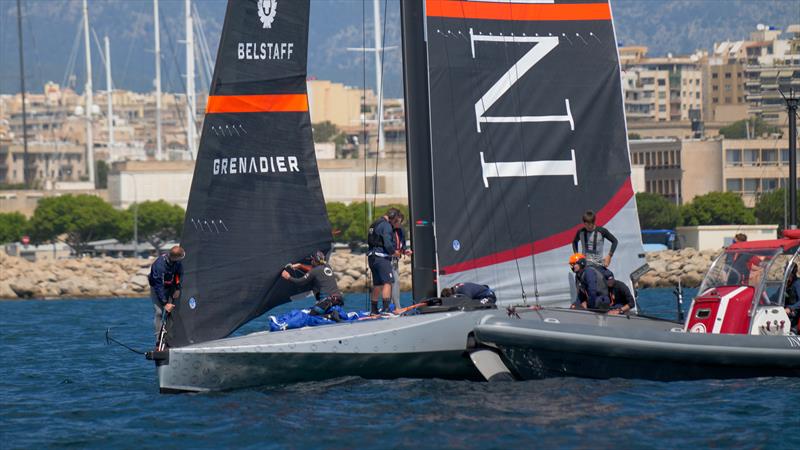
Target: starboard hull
<point>536,349</point>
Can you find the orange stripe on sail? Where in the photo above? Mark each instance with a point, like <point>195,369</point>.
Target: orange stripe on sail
<point>257,103</point>
<point>517,11</point>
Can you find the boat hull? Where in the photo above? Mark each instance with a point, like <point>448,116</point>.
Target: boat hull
<point>537,349</point>
<point>421,346</point>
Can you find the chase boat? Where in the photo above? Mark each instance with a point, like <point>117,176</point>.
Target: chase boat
<point>737,327</point>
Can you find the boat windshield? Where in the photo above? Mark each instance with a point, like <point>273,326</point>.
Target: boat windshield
<point>751,267</point>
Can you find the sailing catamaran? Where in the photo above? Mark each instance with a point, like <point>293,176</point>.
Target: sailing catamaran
<point>515,126</point>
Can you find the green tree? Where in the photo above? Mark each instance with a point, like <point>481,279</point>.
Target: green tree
<point>717,208</point>
<point>349,222</point>
<point>324,131</point>
<point>158,221</point>
<point>656,212</point>
<point>101,170</point>
<point>772,206</point>
<point>738,129</point>
<point>12,227</point>
<point>77,219</point>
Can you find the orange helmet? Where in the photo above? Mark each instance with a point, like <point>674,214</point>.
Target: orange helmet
<point>577,258</point>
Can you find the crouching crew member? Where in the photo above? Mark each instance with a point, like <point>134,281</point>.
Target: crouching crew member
<point>620,296</point>
<point>382,248</point>
<point>322,282</point>
<point>165,277</point>
<point>592,289</point>
<point>474,291</point>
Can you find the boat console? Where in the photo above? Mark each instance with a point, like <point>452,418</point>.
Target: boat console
<point>744,290</point>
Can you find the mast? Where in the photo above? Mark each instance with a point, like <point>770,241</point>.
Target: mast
<point>157,30</point>
<point>89,103</point>
<point>190,97</point>
<point>110,106</point>
<point>791,109</point>
<point>420,178</point>
<point>376,17</point>
<point>25,169</point>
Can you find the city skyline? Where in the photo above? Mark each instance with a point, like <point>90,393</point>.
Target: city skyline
<point>678,26</point>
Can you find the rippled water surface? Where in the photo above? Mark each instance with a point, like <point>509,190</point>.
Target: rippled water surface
<point>61,386</point>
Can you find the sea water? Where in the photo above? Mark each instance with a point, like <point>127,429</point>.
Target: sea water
<point>62,386</point>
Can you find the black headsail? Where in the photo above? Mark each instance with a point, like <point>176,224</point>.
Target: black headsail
<point>527,132</point>
<point>256,202</point>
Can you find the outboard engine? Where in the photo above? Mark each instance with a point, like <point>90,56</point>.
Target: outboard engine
<point>722,310</point>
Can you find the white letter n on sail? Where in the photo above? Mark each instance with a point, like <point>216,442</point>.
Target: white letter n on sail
<point>544,45</point>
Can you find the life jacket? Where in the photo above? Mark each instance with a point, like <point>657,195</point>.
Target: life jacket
<point>600,287</point>
<point>374,239</point>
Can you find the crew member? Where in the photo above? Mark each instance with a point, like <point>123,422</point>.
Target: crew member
<point>400,246</point>
<point>165,277</point>
<point>792,298</point>
<point>592,238</point>
<point>379,255</point>
<point>592,289</point>
<point>619,295</point>
<point>322,282</point>
<point>474,291</point>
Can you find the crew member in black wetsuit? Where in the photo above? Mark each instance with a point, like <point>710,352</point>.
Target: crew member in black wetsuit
<point>618,293</point>
<point>592,238</point>
<point>474,291</point>
<point>592,289</point>
<point>322,282</point>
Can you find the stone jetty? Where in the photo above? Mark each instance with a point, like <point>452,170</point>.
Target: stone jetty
<point>112,277</point>
<point>126,277</point>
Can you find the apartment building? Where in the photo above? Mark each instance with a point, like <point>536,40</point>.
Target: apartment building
<point>47,161</point>
<point>754,166</point>
<point>679,169</point>
<point>662,89</point>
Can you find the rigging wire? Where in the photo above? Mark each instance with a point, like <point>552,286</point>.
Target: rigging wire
<point>503,198</point>
<point>367,219</point>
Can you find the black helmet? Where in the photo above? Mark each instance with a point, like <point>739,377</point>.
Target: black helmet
<point>318,258</point>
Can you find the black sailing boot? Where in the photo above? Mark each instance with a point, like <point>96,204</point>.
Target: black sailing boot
<point>373,310</point>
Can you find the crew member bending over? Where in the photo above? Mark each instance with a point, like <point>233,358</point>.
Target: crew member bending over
<point>592,238</point>
<point>474,291</point>
<point>592,289</point>
<point>619,295</point>
<point>322,282</point>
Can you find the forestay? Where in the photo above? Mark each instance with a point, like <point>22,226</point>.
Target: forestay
<point>527,132</point>
<point>256,201</point>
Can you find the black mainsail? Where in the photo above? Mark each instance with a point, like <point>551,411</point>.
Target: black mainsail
<point>256,201</point>
<point>527,132</point>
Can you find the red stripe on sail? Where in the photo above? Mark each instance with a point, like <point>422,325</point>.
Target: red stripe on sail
<point>257,103</point>
<point>460,9</point>
<point>557,240</point>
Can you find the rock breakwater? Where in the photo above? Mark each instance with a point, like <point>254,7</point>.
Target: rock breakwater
<point>113,277</point>
<point>127,277</point>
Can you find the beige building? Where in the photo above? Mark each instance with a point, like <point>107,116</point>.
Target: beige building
<point>679,169</point>
<point>752,167</point>
<point>714,237</point>
<point>335,103</point>
<point>139,181</point>
<point>48,161</point>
